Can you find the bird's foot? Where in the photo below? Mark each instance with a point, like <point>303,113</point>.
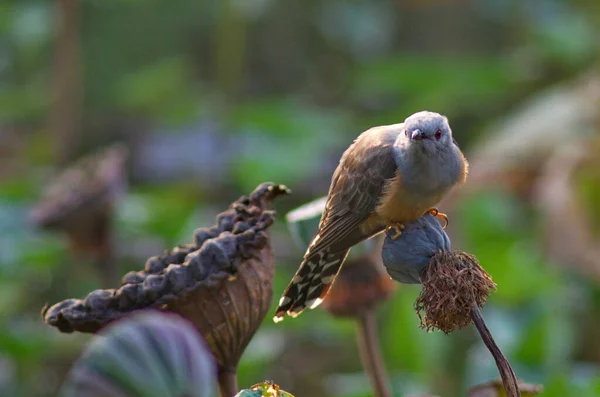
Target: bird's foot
<point>397,228</point>
<point>434,211</point>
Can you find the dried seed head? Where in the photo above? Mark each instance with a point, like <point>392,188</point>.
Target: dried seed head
<point>453,283</point>
<point>79,201</point>
<point>223,284</point>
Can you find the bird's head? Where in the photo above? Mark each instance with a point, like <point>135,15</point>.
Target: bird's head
<point>428,130</point>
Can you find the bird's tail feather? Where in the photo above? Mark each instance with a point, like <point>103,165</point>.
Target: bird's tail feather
<point>311,283</point>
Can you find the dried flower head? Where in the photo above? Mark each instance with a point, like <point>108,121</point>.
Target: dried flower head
<point>454,282</point>
<point>80,199</point>
<point>222,282</point>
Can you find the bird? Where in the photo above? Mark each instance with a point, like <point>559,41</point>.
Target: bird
<point>389,175</point>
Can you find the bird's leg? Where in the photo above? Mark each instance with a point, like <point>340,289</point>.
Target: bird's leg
<point>434,211</point>
<point>397,227</point>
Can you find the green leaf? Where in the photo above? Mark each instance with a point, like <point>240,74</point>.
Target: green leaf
<point>268,389</point>
<point>146,353</point>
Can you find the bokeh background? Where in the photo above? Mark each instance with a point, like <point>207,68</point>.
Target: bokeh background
<point>214,97</point>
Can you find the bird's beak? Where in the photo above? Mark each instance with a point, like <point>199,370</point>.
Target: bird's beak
<point>417,135</point>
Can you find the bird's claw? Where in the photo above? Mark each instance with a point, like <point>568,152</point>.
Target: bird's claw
<point>397,227</point>
<point>435,212</point>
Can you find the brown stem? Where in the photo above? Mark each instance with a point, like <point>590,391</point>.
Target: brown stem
<point>228,382</point>
<point>509,380</point>
<point>370,353</point>
<point>65,112</point>
<point>230,48</point>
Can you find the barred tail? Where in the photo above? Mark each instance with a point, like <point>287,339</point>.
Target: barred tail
<point>311,283</point>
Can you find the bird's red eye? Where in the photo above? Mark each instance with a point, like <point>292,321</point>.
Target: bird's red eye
<point>438,135</point>
<point>406,132</point>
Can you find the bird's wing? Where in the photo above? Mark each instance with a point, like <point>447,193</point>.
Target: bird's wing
<point>356,187</point>
<point>355,191</point>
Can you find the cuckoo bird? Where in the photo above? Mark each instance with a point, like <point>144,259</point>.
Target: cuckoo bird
<point>389,176</point>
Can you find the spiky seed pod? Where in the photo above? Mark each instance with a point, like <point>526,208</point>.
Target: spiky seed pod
<point>222,282</point>
<point>145,354</point>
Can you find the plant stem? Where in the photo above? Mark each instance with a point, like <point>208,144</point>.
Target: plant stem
<point>67,89</point>
<point>509,380</point>
<point>370,353</point>
<point>228,382</point>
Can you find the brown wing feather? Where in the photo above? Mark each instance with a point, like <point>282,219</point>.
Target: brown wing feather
<point>355,191</point>
<point>357,185</point>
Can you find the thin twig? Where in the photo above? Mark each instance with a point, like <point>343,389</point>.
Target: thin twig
<point>370,353</point>
<point>228,383</point>
<point>509,380</point>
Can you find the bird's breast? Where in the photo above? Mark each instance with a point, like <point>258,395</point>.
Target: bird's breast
<point>399,204</point>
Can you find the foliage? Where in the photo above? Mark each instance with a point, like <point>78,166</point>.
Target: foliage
<point>220,96</point>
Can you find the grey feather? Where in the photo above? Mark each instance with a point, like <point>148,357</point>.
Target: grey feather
<point>406,257</point>
<point>431,166</point>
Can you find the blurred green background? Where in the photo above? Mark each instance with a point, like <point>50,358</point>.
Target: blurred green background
<point>214,97</point>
